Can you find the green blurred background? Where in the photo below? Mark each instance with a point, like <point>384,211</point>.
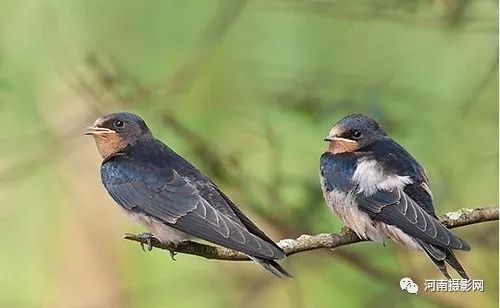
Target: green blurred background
<point>246,90</point>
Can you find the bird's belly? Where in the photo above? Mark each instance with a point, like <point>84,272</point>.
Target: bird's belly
<point>160,230</point>
<point>344,206</point>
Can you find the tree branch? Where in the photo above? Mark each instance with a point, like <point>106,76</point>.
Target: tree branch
<point>463,217</point>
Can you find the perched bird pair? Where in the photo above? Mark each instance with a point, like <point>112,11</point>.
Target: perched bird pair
<point>368,180</point>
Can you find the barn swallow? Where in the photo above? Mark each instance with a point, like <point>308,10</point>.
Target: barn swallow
<point>170,197</point>
<point>380,191</point>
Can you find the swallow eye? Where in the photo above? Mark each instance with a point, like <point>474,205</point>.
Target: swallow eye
<point>356,134</point>
<point>118,123</point>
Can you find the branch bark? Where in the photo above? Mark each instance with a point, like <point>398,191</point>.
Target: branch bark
<point>460,218</point>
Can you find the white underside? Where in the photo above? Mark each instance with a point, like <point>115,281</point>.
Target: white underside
<point>164,233</point>
<point>370,178</point>
<point>345,207</point>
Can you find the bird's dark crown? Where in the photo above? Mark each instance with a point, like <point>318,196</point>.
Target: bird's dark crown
<point>121,122</point>
<point>360,122</point>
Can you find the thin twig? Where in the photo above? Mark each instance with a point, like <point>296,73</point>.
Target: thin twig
<point>310,242</point>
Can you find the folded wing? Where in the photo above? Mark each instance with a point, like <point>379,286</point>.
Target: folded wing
<point>394,207</point>
<point>173,199</point>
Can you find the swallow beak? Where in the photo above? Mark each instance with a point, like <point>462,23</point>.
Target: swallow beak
<point>94,130</point>
<point>336,138</point>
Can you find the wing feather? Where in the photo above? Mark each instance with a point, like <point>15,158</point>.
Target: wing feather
<point>402,212</point>
<point>166,195</point>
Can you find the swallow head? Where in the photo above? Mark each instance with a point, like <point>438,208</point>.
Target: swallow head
<point>116,131</point>
<point>353,132</point>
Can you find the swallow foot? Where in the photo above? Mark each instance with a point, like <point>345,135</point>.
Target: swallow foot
<point>148,238</point>
<point>171,247</point>
<point>172,254</point>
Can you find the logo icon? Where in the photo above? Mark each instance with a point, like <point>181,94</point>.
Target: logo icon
<point>407,284</point>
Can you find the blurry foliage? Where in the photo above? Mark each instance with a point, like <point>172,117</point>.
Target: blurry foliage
<point>246,90</point>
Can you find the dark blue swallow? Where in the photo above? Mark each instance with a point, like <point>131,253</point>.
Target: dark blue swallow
<point>169,196</point>
<point>378,189</point>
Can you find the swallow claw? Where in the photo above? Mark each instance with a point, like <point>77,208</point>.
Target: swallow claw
<point>148,238</point>
<point>172,255</point>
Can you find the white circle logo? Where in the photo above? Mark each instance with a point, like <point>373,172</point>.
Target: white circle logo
<point>407,284</point>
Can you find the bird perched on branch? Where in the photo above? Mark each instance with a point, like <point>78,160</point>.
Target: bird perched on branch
<point>169,196</point>
<point>378,189</point>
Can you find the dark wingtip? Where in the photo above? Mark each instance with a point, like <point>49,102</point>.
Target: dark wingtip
<point>462,245</point>
<point>277,269</point>
<point>273,267</point>
<point>465,246</point>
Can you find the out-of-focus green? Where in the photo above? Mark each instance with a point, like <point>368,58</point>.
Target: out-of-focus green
<point>246,90</point>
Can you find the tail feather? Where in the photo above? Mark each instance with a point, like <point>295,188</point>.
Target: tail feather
<point>453,262</point>
<point>441,266</point>
<point>273,267</point>
<point>440,256</point>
